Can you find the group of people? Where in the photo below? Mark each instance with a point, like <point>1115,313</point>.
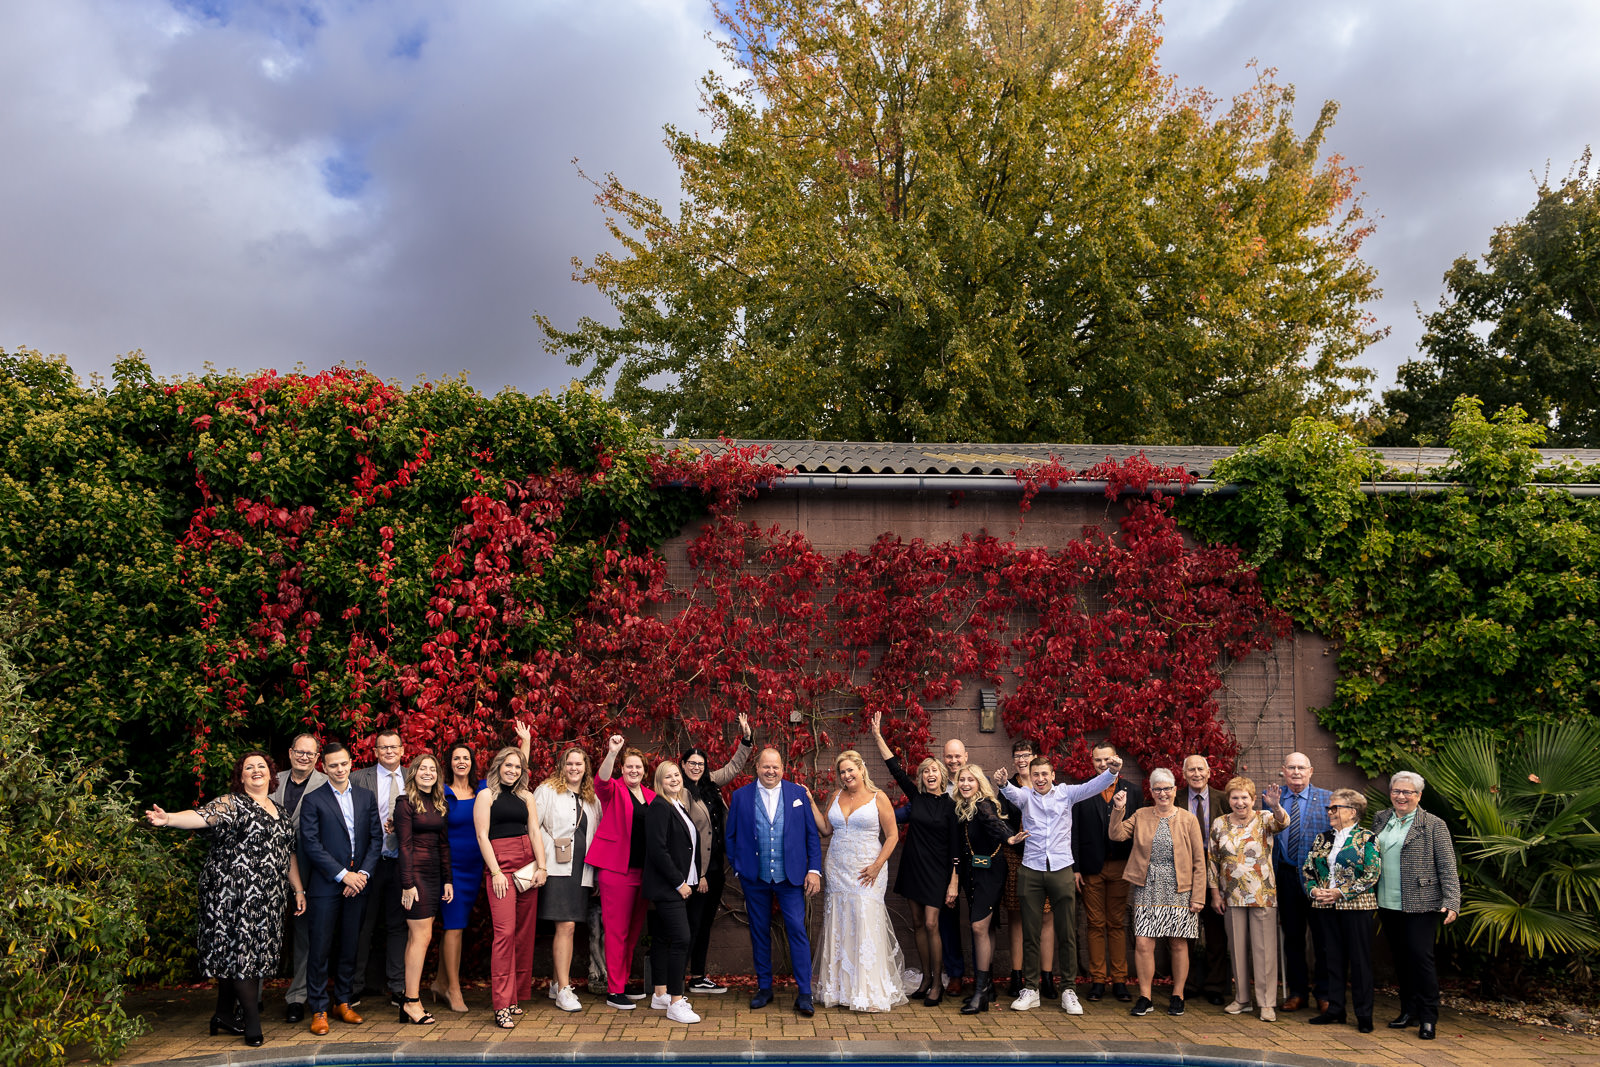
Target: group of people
<point>354,860</point>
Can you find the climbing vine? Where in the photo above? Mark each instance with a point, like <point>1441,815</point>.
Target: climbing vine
<point>1469,608</point>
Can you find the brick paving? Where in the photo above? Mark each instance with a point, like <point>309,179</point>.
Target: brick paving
<point>731,1030</point>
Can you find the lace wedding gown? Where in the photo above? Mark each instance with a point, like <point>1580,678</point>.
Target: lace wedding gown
<point>859,964</point>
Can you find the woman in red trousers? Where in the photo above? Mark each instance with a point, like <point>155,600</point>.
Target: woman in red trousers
<point>508,836</point>
<point>617,855</point>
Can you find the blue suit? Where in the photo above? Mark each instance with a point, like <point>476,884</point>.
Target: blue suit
<point>327,847</point>
<point>1309,814</point>
<point>781,879</point>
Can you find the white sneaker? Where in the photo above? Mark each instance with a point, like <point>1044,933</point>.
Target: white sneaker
<point>554,990</point>
<point>1028,998</point>
<point>679,1011</point>
<point>660,1001</point>
<point>1069,1003</point>
<point>567,1000</point>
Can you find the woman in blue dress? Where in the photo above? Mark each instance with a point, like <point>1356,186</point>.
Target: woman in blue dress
<point>466,866</point>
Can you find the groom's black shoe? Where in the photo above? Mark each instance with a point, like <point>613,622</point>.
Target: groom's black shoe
<point>802,1004</point>
<point>762,998</point>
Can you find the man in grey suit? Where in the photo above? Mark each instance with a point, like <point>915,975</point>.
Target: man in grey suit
<point>293,784</point>
<point>1208,970</point>
<point>387,781</point>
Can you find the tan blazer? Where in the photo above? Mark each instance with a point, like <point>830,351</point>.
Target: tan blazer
<point>1188,849</point>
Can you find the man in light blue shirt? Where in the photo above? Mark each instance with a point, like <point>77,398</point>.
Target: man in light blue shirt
<point>1047,870</point>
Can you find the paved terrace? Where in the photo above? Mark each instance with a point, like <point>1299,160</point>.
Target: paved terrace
<point>732,1032</point>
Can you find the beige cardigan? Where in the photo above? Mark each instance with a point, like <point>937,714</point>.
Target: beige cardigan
<point>1188,849</point>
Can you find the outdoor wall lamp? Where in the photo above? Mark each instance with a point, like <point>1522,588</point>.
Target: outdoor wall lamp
<point>988,705</point>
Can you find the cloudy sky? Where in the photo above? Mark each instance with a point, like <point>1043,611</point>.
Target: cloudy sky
<point>256,183</point>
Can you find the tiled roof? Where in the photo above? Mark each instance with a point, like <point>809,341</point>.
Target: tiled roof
<point>867,457</point>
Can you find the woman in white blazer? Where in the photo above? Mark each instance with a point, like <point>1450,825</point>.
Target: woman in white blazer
<point>569,814</point>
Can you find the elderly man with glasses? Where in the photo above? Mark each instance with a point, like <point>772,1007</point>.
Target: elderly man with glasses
<point>293,784</point>
<point>1307,806</point>
<point>1417,887</point>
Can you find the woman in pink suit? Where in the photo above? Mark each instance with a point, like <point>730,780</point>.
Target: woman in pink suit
<point>617,855</point>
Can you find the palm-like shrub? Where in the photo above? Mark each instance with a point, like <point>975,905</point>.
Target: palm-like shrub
<point>1526,820</point>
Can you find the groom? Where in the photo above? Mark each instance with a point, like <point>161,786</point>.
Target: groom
<point>777,853</point>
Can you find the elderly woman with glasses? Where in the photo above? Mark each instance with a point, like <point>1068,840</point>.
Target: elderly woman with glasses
<point>1168,870</point>
<point>1417,885</point>
<point>1340,873</point>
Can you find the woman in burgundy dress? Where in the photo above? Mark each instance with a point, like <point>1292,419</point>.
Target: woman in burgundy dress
<point>421,819</point>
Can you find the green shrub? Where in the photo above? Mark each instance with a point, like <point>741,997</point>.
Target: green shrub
<point>78,874</point>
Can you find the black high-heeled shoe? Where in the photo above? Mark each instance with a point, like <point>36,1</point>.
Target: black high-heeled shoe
<point>219,1025</point>
<point>422,1020</point>
<point>933,998</point>
<point>255,1042</point>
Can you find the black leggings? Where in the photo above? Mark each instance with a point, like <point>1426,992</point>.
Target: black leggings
<point>245,993</point>
<point>703,908</point>
<point>669,944</point>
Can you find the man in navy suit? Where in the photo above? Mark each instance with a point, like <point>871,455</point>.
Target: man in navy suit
<point>777,853</point>
<point>341,841</point>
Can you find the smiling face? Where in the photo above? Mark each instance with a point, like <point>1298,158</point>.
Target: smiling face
<point>1043,777</point>
<point>461,765</point>
<point>1101,756</point>
<point>633,770</point>
<point>573,768</point>
<point>967,784</point>
<point>694,767</point>
<point>389,750</point>
<point>336,765</point>
<point>1020,761</point>
<point>511,772</point>
<point>1240,801</point>
<point>769,768</point>
<point>1197,772</point>
<point>955,756</point>
<point>930,780</point>
<point>1297,771</point>
<point>1404,796</point>
<point>303,757</point>
<point>255,774</point>
<point>849,774</point>
<point>426,773</point>
<point>671,780</point>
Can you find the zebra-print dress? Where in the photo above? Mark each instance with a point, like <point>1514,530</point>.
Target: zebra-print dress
<point>1159,910</point>
<point>243,888</point>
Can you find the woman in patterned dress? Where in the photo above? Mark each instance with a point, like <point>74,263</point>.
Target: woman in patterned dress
<point>1341,877</point>
<point>243,887</point>
<point>422,820</point>
<point>1239,874</point>
<point>1168,870</point>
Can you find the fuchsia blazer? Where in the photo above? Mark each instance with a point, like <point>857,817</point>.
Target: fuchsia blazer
<point>614,840</point>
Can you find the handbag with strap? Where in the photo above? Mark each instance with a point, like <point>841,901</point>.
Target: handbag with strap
<point>981,862</point>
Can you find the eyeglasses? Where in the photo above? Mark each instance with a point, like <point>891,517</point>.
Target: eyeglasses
<point>1404,792</point>
<point>1336,807</point>
<point>1163,789</point>
<point>302,753</point>
<point>390,748</point>
<point>694,765</point>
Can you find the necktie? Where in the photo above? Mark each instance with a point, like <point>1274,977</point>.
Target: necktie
<point>1194,802</point>
<point>1291,840</point>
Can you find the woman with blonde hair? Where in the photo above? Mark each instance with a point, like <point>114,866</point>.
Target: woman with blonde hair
<point>671,876</point>
<point>984,836</point>
<point>860,960</point>
<point>569,815</point>
<point>929,874</point>
<point>422,822</point>
<point>1243,890</point>
<point>507,820</point>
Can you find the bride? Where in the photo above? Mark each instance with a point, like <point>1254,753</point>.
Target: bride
<point>859,963</point>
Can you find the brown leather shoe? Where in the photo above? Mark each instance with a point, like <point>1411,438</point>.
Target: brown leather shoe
<point>954,988</point>
<point>1292,1004</point>
<point>1322,1006</point>
<point>346,1013</point>
<point>319,1023</point>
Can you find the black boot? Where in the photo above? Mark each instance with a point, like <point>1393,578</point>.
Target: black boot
<point>1018,983</point>
<point>1047,986</point>
<point>982,993</point>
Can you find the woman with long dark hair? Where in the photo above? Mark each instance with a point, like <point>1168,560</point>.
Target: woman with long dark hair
<point>466,871</point>
<point>703,800</point>
<point>421,821</point>
<point>243,888</point>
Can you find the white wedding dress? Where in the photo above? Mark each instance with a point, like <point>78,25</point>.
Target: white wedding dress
<point>860,962</point>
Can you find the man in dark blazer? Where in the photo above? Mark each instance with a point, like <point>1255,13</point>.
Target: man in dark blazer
<point>776,851</point>
<point>1208,968</point>
<point>1307,806</point>
<point>1098,874</point>
<point>385,919</point>
<point>340,843</point>
<point>293,784</point>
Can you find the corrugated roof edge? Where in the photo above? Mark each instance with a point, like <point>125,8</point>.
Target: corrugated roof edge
<point>963,458</point>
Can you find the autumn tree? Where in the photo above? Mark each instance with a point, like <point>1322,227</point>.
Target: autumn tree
<point>987,220</point>
<point>1520,328</point>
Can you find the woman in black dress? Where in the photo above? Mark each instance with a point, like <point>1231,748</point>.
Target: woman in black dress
<point>422,821</point>
<point>984,836</point>
<point>709,811</point>
<point>929,876</point>
<point>243,887</point>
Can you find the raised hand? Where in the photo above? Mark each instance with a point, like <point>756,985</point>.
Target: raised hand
<point>524,734</point>
<point>615,744</point>
<point>877,724</point>
<point>1000,777</point>
<point>1273,795</point>
<point>744,724</point>
<point>1119,802</point>
<point>155,816</point>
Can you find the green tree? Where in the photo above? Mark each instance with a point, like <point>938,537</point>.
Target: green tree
<point>1520,328</point>
<point>987,220</point>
